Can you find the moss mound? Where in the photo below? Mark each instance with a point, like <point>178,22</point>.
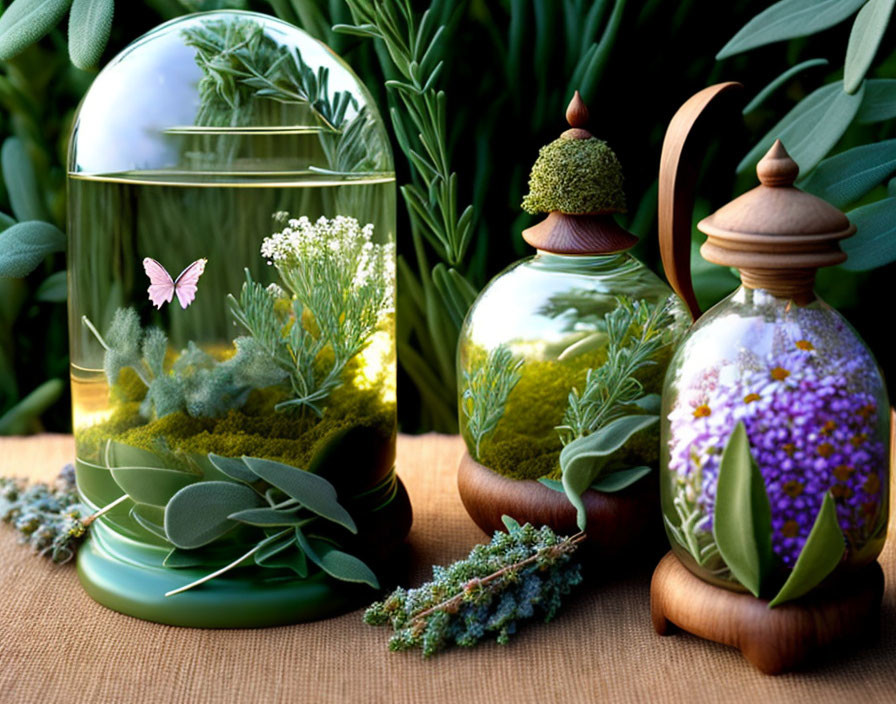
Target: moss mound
<point>575,176</point>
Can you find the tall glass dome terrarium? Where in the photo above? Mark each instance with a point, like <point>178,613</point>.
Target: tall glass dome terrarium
<point>231,274</point>
<point>561,361</point>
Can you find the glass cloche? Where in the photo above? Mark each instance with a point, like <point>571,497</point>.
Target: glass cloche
<point>231,314</point>
<point>561,360</point>
<point>776,361</point>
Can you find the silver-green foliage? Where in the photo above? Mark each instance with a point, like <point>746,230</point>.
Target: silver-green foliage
<point>825,117</point>
<point>520,574</point>
<point>196,382</point>
<point>636,331</point>
<point>339,286</point>
<point>486,390</point>
<point>289,517</point>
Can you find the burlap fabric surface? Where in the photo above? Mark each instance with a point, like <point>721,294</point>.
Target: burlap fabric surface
<point>56,645</point>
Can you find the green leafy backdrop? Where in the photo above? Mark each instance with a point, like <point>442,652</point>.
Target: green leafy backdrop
<point>473,89</point>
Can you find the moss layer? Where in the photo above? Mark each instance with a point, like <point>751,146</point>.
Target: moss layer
<point>525,444</point>
<point>256,429</point>
<point>575,176</point>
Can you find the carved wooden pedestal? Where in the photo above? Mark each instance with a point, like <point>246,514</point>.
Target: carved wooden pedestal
<point>774,640</point>
<point>625,525</point>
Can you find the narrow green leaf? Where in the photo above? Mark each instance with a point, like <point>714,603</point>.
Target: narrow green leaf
<point>583,460</point>
<point>313,492</point>
<point>879,102</point>
<point>27,21</point>
<point>788,19</point>
<point>620,479</point>
<point>762,95</point>
<point>552,484</point>
<point>150,518</point>
<point>199,513</point>
<point>510,523</point>
<point>19,419</point>
<point>233,467</point>
<point>864,39</point>
<point>25,245</point>
<point>844,178</point>
<point>266,517</point>
<point>337,564</point>
<point>89,24</point>
<point>142,475</point>
<point>742,522</point>
<point>874,243</point>
<point>118,454</point>
<point>275,548</point>
<point>53,289</point>
<point>820,555</point>
<point>811,128</point>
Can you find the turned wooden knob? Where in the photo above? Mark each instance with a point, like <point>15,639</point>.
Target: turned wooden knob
<point>776,168</point>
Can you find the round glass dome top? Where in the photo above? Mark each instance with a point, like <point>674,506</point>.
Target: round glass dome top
<point>213,95</point>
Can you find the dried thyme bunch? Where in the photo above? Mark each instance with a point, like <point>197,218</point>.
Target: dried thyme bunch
<point>520,572</point>
<point>48,518</point>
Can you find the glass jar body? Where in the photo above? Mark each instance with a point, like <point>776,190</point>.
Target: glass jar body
<point>231,294</point>
<point>815,408</point>
<point>532,339</point>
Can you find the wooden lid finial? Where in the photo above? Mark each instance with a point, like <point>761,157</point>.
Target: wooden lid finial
<point>577,116</point>
<point>776,168</point>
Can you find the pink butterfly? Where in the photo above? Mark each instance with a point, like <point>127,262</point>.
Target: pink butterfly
<point>162,287</point>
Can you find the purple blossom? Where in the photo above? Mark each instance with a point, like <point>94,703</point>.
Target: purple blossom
<point>812,421</point>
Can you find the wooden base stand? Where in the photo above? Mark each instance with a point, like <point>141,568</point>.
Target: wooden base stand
<point>773,640</point>
<point>621,525</point>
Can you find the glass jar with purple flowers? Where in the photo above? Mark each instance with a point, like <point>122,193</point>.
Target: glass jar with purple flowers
<point>775,418</point>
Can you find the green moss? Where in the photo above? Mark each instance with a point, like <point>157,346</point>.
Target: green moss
<point>256,429</point>
<point>525,443</point>
<point>575,176</point>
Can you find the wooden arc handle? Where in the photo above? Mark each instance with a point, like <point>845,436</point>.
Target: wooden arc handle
<point>686,139</point>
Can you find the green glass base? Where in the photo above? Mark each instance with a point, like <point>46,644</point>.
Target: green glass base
<point>128,577</point>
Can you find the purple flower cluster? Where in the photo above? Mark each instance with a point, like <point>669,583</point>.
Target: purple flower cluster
<point>813,427</point>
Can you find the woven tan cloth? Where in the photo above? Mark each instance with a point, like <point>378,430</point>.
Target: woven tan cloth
<point>56,645</point>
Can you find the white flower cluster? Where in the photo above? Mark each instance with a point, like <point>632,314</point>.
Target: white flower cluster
<point>339,248</point>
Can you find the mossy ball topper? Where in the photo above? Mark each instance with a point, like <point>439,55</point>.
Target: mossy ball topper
<point>577,173</point>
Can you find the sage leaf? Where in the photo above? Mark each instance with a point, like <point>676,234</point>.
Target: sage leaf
<point>510,523</point>
<point>874,243</point>
<point>199,513</point>
<point>864,40</point>
<point>280,555</point>
<point>265,517</point>
<point>337,564</point>
<point>552,484</point>
<point>26,21</point>
<point>89,24</point>
<point>26,244</point>
<point>649,403</point>
<point>776,83</point>
<point>820,555</point>
<point>879,102</point>
<point>25,196</point>
<point>846,177</point>
<point>149,518</point>
<point>54,288</point>
<point>119,454</point>
<point>313,492</point>
<point>203,557</point>
<point>620,479</point>
<point>142,475</point>
<point>742,521</point>
<point>788,19</point>
<point>583,460</point>
<point>233,467</point>
<point>811,128</point>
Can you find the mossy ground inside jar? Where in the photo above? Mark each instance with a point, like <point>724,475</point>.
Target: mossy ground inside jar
<point>526,444</point>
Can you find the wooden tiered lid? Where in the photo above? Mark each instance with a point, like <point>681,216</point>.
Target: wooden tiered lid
<point>776,234</point>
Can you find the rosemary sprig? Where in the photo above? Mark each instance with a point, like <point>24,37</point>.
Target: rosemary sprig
<point>635,331</point>
<point>496,586</point>
<point>486,391</point>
